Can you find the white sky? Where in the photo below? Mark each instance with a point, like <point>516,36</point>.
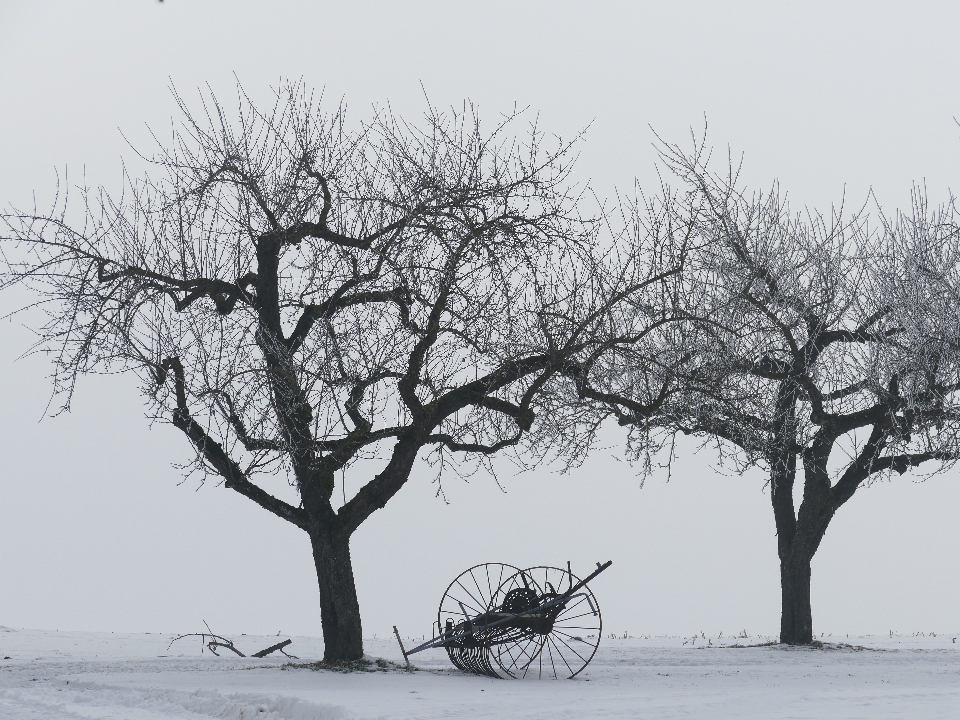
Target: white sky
<point>830,98</point>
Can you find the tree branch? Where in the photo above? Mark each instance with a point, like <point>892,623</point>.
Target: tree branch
<point>250,443</point>
<point>331,306</point>
<point>224,294</point>
<point>450,443</point>
<point>213,452</point>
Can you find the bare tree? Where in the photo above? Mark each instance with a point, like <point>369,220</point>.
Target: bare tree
<point>296,296</point>
<point>817,345</point>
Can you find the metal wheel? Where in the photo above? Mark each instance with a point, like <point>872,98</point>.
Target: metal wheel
<point>561,648</point>
<point>468,596</point>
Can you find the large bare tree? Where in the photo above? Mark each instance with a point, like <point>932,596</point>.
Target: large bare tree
<point>296,294</point>
<point>823,349</point>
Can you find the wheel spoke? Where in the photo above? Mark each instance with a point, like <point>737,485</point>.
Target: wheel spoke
<point>534,657</point>
<point>521,645</point>
<point>470,594</point>
<point>521,651</point>
<point>567,645</point>
<point>578,638</point>
<point>579,616</point>
<point>576,601</point>
<point>552,665</point>
<point>525,649</point>
<point>513,662</point>
<point>575,627</point>
<point>552,642</point>
<point>479,590</point>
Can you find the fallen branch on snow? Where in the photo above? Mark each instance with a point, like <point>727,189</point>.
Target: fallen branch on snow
<point>218,641</point>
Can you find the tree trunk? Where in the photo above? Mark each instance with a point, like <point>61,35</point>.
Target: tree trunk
<point>796,619</point>
<point>339,608</point>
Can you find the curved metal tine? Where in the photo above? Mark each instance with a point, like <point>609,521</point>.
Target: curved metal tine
<point>488,666</point>
<point>474,660</point>
<point>461,660</point>
<point>465,660</point>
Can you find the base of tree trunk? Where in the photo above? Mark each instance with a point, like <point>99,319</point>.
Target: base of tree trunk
<point>796,618</point>
<point>339,608</point>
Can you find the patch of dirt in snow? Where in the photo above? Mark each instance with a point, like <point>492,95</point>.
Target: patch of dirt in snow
<point>365,664</point>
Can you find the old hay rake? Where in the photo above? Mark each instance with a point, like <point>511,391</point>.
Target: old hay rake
<point>498,620</point>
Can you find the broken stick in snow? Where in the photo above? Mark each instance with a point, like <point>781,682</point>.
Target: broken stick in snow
<point>272,648</point>
<point>396,632</point>
<point>217,641</point>
<point>214,642</point>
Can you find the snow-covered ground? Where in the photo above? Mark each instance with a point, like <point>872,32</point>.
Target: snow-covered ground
<point>54,675</point>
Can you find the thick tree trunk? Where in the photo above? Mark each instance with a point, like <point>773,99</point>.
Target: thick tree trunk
<point>796,618</point>
<point>339,609</point>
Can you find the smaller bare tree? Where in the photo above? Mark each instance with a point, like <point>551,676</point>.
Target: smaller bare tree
<point>295,296</point>
<point>818,345</point>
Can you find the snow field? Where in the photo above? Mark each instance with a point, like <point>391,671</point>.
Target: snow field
<point>70,675</point>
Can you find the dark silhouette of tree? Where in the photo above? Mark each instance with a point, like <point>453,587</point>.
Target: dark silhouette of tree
<point>296,296</point>
<point>823,350</point>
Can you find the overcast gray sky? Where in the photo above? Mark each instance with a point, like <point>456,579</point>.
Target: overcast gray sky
<point>831,98</point>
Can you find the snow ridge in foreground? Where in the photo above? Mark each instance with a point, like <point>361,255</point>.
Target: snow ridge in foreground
<point>93,700</point>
